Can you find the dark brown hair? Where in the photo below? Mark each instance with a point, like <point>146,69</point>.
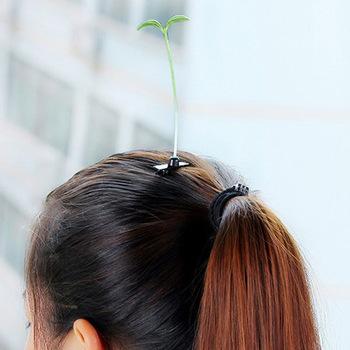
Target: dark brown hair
<point>135,254</point>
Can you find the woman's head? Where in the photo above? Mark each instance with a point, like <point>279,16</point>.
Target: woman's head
<point>133,255</point>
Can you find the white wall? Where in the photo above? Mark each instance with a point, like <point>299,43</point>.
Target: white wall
<point>268,92</point>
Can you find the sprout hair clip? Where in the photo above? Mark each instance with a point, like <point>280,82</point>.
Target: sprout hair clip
<point>173,164</point>
<point>174,161</point>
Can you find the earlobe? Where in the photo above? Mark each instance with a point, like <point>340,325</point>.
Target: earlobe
<point>86,335</point>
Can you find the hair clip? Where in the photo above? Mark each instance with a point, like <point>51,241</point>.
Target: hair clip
<point>173,164</point>
<point>217,205</point>
<point>174,161</point>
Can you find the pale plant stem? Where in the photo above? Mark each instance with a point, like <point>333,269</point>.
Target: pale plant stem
<point>173,82</point>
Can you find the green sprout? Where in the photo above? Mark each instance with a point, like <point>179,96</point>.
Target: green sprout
<point>164,31</point>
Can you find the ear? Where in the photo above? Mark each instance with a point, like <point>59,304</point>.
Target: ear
<point>86,335</point>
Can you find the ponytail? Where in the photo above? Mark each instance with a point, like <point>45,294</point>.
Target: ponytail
<point>256,294</point>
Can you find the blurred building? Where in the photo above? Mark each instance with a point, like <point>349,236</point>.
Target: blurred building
<point>78,83</point>
<point>263,86</point>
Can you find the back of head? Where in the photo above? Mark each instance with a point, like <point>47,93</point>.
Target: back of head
<point>135,254</point>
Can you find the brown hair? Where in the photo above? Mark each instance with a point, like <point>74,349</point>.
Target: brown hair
<point>135,254</point>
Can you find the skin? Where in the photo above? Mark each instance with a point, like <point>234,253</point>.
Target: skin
<point>83,336</point>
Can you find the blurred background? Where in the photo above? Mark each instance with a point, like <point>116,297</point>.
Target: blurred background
<point>263,86</point>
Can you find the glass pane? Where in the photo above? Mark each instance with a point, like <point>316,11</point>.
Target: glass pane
<point>145,138</point>
<point>55,112</point>
<point>115,9</point>
<point>22,98</point>
<point>13,235</point>
<point>40,104</point>
<point>102,133</point>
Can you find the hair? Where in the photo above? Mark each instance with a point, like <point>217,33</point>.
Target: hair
<point>134,253</point>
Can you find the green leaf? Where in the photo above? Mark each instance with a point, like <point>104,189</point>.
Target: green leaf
<point>150,23</point>
<point>175,19</point>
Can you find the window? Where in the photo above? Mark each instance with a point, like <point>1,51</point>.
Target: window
<point>102,133</point>
<point>115,9</point>
<point>40,104</point>
<point>13,235</point>
<point>145,138</point>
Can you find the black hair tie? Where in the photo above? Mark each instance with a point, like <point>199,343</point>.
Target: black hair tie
<point>217,205</point>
